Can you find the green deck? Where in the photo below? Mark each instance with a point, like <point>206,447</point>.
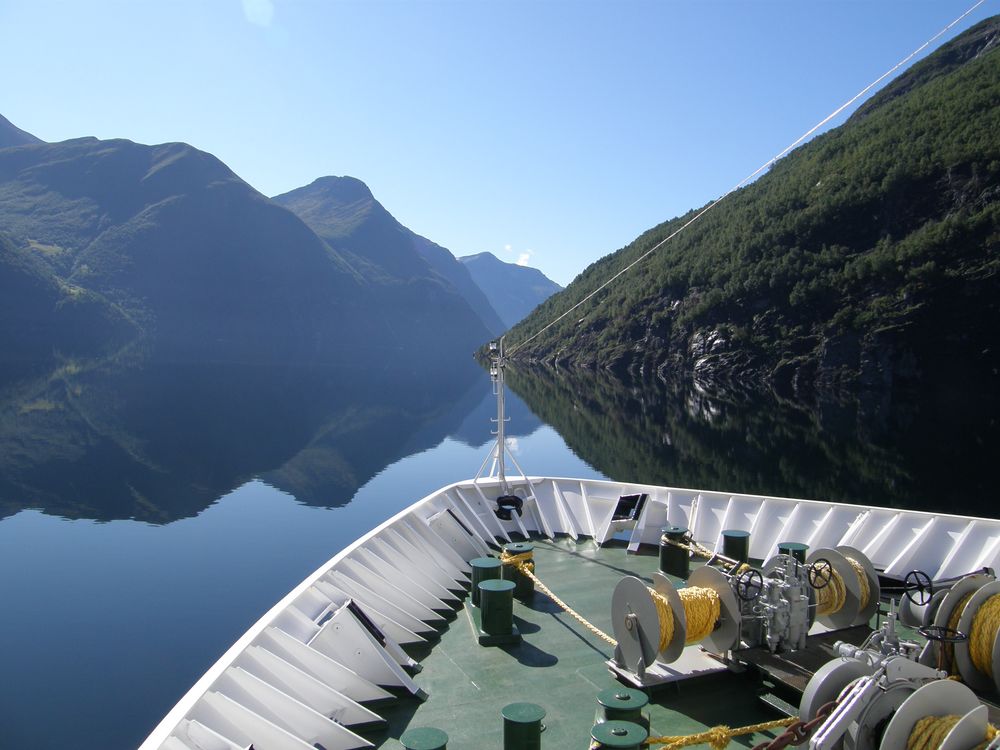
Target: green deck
<point>558,665</point>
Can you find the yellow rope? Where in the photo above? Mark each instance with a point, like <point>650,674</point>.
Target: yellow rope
<point>717,737</point>
<point>984,629</point>
<point>956,615</point>
<point>929,732</point>
<point>522,559</point>
<point>702,608</point>
<point>696,548</point>
<point>666,619</point>
<point>526,566</point>
<point>830,599</point>
<point>866,591</point>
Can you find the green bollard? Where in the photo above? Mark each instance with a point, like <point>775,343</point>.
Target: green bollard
<point>496,598</point>
<point>674,560</point>
<point>795,549</point>
<point>495,616</point>
<point>622,704</point>
<point>620,735</point>
<point>483,569</point>
<point>736,544</point>
<point>522,726</point>
<point>524,587</point>
<point>424,738</point>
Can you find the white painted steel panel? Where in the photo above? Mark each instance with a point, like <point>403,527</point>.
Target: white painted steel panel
<point>283,710</point>
<point>370,578</point>
<point>770,527</point>
<point>303,687</point>
<point>173,743</point>
<point>397,622</point>
<point>346,641</point>
<point>201,737</point>
<point>679,507</point>
<point>326,670</point>
<point>228,717</point>
<point>408,577</point>
<point>394,547</point>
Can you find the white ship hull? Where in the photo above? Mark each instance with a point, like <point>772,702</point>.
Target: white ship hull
<point>300,674</point>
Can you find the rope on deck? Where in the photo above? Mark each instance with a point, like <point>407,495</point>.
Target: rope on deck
<point>525,564</point>
<point>717,737</point>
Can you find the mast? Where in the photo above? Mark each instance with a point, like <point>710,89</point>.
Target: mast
<point>497,366</point>
<point>507,502</point>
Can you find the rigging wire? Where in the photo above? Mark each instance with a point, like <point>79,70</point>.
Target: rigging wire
<point>763,167</point>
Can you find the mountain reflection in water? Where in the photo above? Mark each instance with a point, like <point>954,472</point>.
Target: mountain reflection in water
<point>931,451</point>
<point>123,438</point>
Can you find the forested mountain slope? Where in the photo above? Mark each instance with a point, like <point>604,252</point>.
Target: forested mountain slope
<point>868,256</point>
<point>110,237</point>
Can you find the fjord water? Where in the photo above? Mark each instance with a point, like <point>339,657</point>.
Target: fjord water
<point>149,514</point>
<point>933,449</point>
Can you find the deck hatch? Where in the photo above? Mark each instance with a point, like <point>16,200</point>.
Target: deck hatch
<point>629,507</point>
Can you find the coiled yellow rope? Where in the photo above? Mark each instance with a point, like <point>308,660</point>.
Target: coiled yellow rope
<point>830,599</point>
<point>866,591</point>
<point>984,629</point>
<point>929,732</point>
<point>702,608</point>
<point>985,625</point>
<point>956,615</point>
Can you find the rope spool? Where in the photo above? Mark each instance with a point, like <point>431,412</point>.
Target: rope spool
<point>655,624</point>
<point>947,613</point>
<point>953,620</point>
<point>978,658</point>
<point>930,733</point>
<point>702,608</point>
<point>862,580</point>
<point>852,593</point>
<point>940,715</point>
<point>832,597</point>
<point>985,626</point>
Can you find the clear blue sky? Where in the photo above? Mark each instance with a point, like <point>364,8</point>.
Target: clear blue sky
<point>559,129</point>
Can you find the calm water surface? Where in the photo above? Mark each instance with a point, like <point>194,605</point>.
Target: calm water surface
<point>106,623</point>
<point>149,515</point>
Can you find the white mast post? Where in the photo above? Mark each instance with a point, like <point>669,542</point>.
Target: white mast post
<point>497,373</point>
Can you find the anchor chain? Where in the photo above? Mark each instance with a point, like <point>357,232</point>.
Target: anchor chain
<point>799,732</point>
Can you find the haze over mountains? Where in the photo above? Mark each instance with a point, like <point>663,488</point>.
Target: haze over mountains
<point>869,256</point>
<point>345,214</point>
<point>11,135</point>
<point>102,242</point>
<point>513,289</point>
